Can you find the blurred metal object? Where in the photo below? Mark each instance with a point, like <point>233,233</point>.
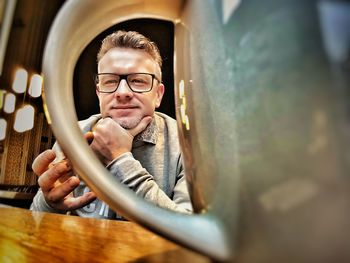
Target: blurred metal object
<point>335,27</point>
<point>263,123</point>
<point>7,10</point>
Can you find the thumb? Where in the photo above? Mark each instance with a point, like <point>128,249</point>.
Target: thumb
<point>141,126</point>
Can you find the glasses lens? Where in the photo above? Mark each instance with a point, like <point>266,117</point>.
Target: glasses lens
<point>140,82</point>
<point>108,82</point>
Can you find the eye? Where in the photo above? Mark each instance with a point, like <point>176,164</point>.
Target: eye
<point>138,81</point>
<point>109,80</point>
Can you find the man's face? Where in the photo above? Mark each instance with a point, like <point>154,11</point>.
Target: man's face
<point>125,106</point>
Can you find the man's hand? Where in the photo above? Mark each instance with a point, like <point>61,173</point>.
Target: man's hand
<point>57,182</point>
<point>111,140</point>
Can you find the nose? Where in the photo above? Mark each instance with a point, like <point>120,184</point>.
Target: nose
<point>123,91</point>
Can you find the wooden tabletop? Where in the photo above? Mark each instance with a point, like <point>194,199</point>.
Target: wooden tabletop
<point>27,236</point>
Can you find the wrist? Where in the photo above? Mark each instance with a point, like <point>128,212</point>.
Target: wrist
<point>119,152</point>
<point>125,155</point>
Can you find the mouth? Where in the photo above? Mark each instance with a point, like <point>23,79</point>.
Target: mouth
<point>124,107</point>
<point>123,110</point>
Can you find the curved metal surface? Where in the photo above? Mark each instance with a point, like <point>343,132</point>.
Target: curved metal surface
<point>268,119</point>
<point>77,23</point>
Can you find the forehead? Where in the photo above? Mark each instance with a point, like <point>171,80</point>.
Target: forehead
<point>126,58</point>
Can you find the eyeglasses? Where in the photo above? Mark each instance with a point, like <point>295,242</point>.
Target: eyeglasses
<point>137,82</point>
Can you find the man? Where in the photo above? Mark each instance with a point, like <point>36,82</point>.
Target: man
<point>136,144</point>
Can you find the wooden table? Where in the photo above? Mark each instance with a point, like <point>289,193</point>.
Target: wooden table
<point>27,236</point>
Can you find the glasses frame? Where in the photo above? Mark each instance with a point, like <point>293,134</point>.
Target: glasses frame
<point>124,76</point>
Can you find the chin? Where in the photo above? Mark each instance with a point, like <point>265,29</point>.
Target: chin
<point>128,122</point>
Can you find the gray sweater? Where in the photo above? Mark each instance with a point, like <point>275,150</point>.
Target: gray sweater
<point>153,170</point>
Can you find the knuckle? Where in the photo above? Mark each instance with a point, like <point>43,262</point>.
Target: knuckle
<point>40,181</point>
<point>69,206</point>
<point>51,199</point>
<point>43,182</point>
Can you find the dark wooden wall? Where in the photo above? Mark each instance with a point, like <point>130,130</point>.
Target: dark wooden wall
<point>31,23</point>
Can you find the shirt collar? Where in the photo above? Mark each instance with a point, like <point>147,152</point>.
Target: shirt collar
<point>150,133</point>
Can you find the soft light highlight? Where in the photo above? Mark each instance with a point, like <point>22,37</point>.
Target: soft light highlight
<point>3,128</point>
<point>19,84</point>
<point>9,103</point>
<point>24,120</point>
<point>35,86</point>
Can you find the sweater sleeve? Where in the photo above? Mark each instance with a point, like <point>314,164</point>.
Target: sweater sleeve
<point>131,173</point>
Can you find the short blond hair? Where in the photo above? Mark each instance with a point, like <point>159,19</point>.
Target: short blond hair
<point>130,39</point>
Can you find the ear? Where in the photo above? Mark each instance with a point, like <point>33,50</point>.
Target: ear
<point>159,94</point>
<point>97,93</point>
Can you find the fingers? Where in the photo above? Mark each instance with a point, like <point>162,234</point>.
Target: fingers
<point>73,203</point>
<point>57,185</point>
<point>141,126</point>
<point>58,193</point>
<point>57,182</point>
<point>42,161</point>
<point>112,140</point>
<point>56,173</point>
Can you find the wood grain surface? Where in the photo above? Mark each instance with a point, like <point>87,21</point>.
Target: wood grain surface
<point>27,236</point>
